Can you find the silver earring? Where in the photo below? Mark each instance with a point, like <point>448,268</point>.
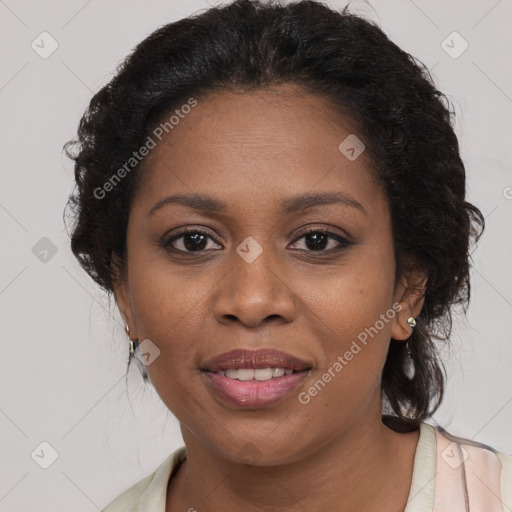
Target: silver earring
<point>409,367</point>
<point>132,349</point>
<point>134,346</point>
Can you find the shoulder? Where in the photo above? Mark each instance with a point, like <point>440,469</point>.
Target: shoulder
<point>149,494</point>
<point>468,471</point>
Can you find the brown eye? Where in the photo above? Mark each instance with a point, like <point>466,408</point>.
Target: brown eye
<point>191,240</point>
<point>317,240</point>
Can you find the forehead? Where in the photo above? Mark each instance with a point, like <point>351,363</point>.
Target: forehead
<point>257,146</point>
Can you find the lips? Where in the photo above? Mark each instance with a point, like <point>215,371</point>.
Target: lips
<point>254,394</point>
<point>262,358</point>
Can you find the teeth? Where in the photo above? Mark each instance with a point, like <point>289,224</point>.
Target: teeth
<point>278,372</point>
<point>241,374</point>
<point>260,374</point>
<point>263,374</point>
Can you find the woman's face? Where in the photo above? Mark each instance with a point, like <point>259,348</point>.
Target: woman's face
<point>248,277</point>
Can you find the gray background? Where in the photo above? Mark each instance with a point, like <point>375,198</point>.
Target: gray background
<point>64,351</point>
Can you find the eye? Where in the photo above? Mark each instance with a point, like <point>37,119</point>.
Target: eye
<point>316,240</point>
<point>190,240</point>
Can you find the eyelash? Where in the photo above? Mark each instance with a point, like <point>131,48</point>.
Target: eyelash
<point>343,242</point>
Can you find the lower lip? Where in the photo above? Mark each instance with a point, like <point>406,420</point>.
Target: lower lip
<point>255,394</point>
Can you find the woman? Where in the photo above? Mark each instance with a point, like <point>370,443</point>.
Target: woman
<point>275,197</point>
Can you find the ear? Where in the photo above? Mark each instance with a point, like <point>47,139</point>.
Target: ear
<point>410,294</point>
<point>122,294</point>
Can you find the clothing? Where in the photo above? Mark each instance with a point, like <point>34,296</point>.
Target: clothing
<point>444,467</point>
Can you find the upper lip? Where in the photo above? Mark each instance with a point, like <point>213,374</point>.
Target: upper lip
<point>262,358</point>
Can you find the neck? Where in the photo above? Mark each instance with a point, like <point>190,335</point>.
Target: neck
<point>366,468</point>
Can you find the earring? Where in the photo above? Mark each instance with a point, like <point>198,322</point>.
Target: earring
<point>134,345</point>
<point>132,350</point>
<point>409,367</point>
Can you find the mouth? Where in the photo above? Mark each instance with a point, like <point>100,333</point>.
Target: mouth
<point>254,379</point>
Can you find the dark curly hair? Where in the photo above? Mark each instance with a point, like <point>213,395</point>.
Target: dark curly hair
<point>404,121</point>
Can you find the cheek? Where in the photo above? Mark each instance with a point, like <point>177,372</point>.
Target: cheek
<point>353,342</point>
<point>353,312</point>
<point>168,310</point>
<point>353,296</point>
<point>163,291</point>
<point>166,304</point>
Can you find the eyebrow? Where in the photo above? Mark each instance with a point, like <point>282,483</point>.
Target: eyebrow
<point>293,204</point>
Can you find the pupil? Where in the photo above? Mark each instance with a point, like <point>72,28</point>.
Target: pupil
<point>196,238</point>
<point>317,238</point>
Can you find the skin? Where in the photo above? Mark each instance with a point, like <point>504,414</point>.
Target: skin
<point>254,150</point>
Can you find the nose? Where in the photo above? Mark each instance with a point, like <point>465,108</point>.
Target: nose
<point>255,292</point>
